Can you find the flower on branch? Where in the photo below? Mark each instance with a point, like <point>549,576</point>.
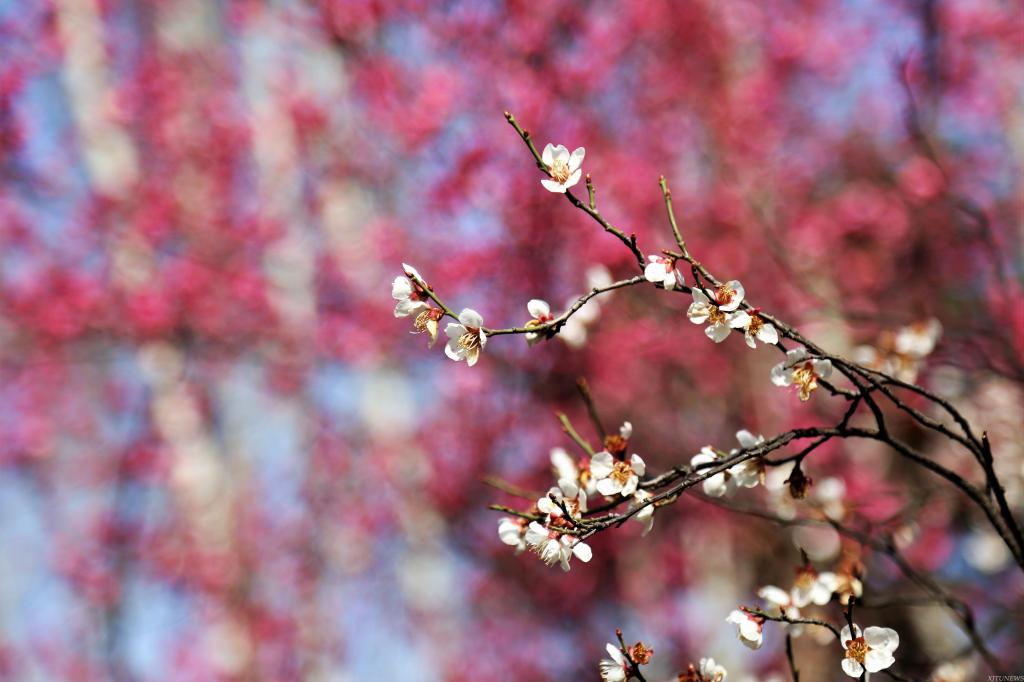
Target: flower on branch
<point>754,327</point>
<point>617,444</point>
<point>567,471</point>
<point>616,477</point>
<point>567,494</point>
<point>902,353</point>
<point>718,484</point>
<point>749,628</point>
<point>615,668</point>
<point>706,671</point>
<point>619,666</point>
<point>848,580</point>
<point>513,533</point>
<point>466,339</point>
<point>871,651</point>
<point>801,370</point>
<point>811,587</point>
<point>781,606</point>
<point>554,547</point>
<point>541,312</point>
<point>662,270</point>
<point>645,515</point>
<point>563,167</point>
<point>749,472</point>
<point>409,292</point>
<point>719,314</point>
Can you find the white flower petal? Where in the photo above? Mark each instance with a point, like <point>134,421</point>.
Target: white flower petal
<point>775,595</point>
<point>552,186</point>
<point>582,551</point>
<point>401,288</point>
<point>878,659</point>
<point>781,375</point>
<point>538,308</point>
<point>576,158</point>
<point>697,312</point>
<point>407,307</point>
<point>654,272</point>
<point>601,464</point>
<point>573,179</point>
<point>768,334</point>
<point>454,331</point>
<point>471,318</point>
<point>453,350</point>
<point>609,487</point>
<point>638,465</point>
<point>738,320</point>
<point>717,332</point>
<point>851,667</point>
<point>881,638</point>
<point>548,155</point>
<point>536,534</point>
<point>737,296</point>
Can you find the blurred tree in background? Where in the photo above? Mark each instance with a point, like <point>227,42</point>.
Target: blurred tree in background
<point>221,457</point>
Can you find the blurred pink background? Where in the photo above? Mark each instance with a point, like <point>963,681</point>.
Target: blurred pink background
<point>222,457</point>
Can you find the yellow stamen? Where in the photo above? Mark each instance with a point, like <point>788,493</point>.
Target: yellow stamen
<point>806,379</point>
<point>621,472</point>
<point>560,171</point>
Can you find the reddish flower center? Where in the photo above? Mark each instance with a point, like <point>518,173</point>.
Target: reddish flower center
<point>857,649</point>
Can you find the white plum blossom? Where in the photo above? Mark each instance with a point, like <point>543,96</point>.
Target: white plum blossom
<point>711,671</point>
<point>563,167</point>
<point>811,587</point>
<point>755,328</point>
<point>554,547</point>
<point>918,340</point>
<point>541,314</point>
<point>645,515</point>
<point>781,606</point>
<point>616,477</point>
<point>749,472</point>
<point>848,583</point>
<point>801,370</point>
<point>719,314</point>
<point>409,292</point>
<point>748,628</point>
<point>662,270</point>
<point>567,493</point>
<point>616,668</point>
<point>567,471</point>
<point>513,533</point>
<point>871,651</point>
<point>902,353</point>
<point>718,484</point>
<point>466,339</point>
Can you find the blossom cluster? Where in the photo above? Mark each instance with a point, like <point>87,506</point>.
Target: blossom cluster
<point>608,473</point>
<point>871,650</point>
